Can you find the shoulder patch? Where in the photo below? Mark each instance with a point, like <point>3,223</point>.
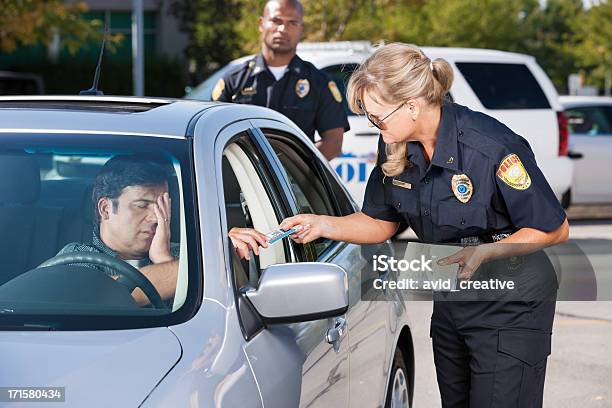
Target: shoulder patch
<point>216,93</point>
<point>512,172</point>
<point>335,91</point>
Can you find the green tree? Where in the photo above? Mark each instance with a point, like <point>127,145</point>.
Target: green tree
<point>554,37</point>
<point>211,27</point>
<point>30,22</point>
<point>593,51</point>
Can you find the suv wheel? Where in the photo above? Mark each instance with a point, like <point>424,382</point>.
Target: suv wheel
<point>398,393</point>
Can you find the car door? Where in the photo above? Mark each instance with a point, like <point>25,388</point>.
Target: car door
<point>369,322</point>
<point>293,363</point>
<point>591,135</point>
<point>325,380</point>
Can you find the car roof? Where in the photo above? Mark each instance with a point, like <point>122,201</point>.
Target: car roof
<point>99,114</point>
<point>576,101</point>
<point>320,53</point>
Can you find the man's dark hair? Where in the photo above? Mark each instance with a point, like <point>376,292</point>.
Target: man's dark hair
<point>123,171</point>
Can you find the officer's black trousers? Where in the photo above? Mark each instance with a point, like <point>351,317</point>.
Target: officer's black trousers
<point>491,354</point>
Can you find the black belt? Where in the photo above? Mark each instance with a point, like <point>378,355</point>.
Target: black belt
<point>484,238</point>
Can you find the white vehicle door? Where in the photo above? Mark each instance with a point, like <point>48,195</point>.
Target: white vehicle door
<point>591,136</point>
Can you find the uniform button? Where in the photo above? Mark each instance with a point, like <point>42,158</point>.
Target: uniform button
<point>461,133</point>
<point>398,205</point>
<point>462,221</point>
<point>426,212</point>
<point>427,180</point>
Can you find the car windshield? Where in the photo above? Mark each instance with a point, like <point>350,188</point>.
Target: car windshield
<point>88,225</point>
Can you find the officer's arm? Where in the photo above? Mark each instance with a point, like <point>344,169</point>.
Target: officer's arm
<point>526,240</point>
<point>331,143</point>
<point>162,276</point>
<point>357,228</point>
<point>222,92</point>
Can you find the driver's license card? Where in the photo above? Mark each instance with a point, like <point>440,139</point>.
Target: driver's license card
<point>277,235</point>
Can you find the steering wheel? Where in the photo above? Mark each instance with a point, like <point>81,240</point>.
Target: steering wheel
<point>128,275</point>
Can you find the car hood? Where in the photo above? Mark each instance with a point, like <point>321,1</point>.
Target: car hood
<point>98,368</point>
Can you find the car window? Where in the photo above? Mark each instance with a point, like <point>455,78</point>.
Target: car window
<point>504,86</point>
<point>310,183</point>
<point>66,197</point>
<point>590,120</point>
<point>341,74</point>
<point>250,201</point>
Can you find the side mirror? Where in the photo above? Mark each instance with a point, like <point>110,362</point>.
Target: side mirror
<point>300,292</point>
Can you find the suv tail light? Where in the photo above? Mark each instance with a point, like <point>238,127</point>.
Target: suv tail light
<point>563,134</point>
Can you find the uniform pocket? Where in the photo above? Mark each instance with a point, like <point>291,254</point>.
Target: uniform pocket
<point>404,200</point>
<point>529,346</point>
<point>456,220</point>
<point>521,367</point>
<point>461,215</point>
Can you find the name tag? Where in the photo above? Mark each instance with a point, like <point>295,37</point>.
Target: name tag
<point>249,91</point>
<point>402,184</point>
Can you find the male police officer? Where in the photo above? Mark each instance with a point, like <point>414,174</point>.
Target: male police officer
<point>278,79</point>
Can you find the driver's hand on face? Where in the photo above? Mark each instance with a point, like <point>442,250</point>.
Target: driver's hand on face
<point>160,245</point>
<point>245,239</point>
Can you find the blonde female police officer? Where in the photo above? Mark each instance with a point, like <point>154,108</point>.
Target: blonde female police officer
<point>455,176</point>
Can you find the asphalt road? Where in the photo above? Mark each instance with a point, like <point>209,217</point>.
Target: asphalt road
<point>579,371</point>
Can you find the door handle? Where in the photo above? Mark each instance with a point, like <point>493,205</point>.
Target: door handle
<point>574,155</point>
<point>336,332</point>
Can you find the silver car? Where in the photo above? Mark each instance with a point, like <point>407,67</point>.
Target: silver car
<point>288,328</point>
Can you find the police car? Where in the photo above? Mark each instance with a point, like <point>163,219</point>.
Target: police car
<point>508,86</point>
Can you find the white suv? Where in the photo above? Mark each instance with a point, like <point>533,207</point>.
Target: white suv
<point>510,87</point>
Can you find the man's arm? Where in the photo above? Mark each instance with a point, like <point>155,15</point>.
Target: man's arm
<point>163,276</point>
<point>331,143</point>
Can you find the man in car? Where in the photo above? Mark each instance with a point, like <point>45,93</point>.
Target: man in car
<point>278,79</point>
<point>132,209</point>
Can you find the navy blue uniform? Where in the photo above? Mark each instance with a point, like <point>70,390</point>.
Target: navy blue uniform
<point>482,184</point>
<point>304,94</point>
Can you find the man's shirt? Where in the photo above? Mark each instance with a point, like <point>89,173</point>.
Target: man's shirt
<point>96,245</point>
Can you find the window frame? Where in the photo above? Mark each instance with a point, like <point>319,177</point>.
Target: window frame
<point>286,134</point>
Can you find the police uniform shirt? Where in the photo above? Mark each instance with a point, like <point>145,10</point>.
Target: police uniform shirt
<point>483,179</point>
<point>304,94</point>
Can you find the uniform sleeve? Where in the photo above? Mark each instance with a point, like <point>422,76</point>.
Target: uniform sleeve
<point>374,204</point>
<point>223,90</point>
<point>529,198</point>
<point>330,110</point>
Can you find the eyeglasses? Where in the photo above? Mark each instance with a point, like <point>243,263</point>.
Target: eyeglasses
<point>378,123</point>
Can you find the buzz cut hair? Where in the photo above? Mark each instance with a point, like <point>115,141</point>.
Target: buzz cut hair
<point>294,4</point>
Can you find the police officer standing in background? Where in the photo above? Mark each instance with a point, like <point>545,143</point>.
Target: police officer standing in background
<point>458,176</point>
<point>278,79</point>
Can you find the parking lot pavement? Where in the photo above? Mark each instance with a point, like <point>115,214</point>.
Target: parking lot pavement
<point>579,369</point>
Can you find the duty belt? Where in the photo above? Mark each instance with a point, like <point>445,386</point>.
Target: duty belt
<point>485,238</point>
